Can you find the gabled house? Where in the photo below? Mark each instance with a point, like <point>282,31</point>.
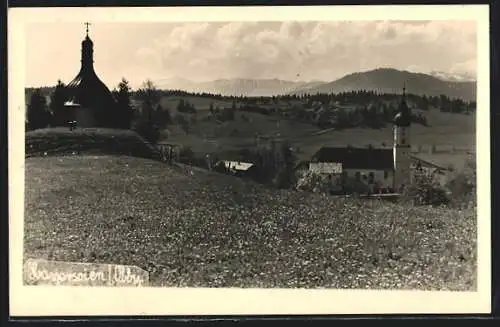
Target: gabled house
<point>439,172</point>
<point>370,166</point>
<point>236,166</point>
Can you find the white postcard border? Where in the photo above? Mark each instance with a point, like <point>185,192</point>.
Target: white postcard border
<point>42,301</point>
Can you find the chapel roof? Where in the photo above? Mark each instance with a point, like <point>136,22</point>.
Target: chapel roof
<point>87,88</point>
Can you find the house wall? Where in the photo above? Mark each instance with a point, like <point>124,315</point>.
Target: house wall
<point>335,173</point>
<point>441,176</point>
<point>380,177</point>
<point>326,167</point>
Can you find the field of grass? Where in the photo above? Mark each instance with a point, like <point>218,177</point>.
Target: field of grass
<point>209,136</point>
<point>194,228</point>
<point>445,131</point>
<point>62,141</point>
<point>201,103</point>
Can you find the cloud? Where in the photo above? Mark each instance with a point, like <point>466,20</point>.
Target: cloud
<point>315,50</point>
<point>465,67</point>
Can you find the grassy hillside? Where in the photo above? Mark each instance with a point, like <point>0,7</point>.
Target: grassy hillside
<point>209,136</point>
<point>201,103</point>
<point>62,141</point>
<point>193,228</point>
<point>446,131</point>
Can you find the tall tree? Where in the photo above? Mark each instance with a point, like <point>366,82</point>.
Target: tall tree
<point>37,113</point>
<point>181,106</point>
<point>124,110</point>
<point>57,100</point>
<point>149,96</point>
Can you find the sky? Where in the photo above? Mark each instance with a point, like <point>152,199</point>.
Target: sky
<point>289,50</point>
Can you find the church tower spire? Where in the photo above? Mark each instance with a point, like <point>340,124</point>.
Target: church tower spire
<point>87,51</point>
<point>402,145</point>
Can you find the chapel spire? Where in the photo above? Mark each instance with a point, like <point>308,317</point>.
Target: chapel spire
<point>87,28</point>
<point>87,50</point>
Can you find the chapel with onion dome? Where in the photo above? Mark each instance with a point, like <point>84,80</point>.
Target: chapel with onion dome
<point>90,102</point>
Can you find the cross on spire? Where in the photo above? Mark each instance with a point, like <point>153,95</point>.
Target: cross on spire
<point>87,27</point>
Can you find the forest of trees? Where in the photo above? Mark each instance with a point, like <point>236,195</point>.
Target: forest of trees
<point>423,102</point>
<point>343,110</point>
<point>41,113</point>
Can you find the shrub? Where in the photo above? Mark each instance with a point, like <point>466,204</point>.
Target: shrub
<point>164,134</point>
<point>38,115</point>
<point>425,190</point>
<point>149,131</point>
<point>183,122</point>
<point>354,186</point>
<point>309,181</point>
<point>462,186</point>
<point>186,155</point>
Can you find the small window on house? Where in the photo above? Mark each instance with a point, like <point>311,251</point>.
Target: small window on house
<point>386,174</point>
<point>364,177</point>
<point>403,141</point>
<point>358,175</point>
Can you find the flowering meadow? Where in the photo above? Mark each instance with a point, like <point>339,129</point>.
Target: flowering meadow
<point>192,228</point>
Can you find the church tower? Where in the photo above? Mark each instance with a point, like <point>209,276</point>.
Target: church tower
<point>402,145</point>
<point>87,52</point>
<point>92,99</point>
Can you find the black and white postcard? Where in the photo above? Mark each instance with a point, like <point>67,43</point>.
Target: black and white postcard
<point>249,160</point>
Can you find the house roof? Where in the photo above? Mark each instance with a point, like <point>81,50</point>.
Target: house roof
<point>357,158</point>
<point>237,165</point>
<point>71,104</point>
<point>302,165</point>
<point>427,162</point>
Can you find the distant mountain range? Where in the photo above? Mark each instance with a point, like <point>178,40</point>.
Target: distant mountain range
<point>237,86</point>
<point>383,80</point>
<point>388,80</point>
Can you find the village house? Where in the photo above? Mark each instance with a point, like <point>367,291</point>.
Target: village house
<point>379,169</point>
<point>429,168</point>
<point>373,167</point>
<point>236,166</point>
